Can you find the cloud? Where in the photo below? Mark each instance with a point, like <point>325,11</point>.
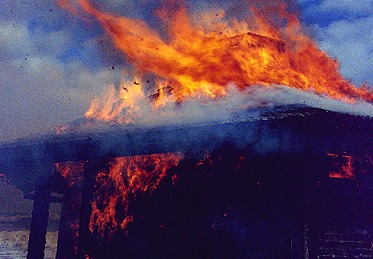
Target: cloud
<point>361,7</point>
<point>13,39</point>
<point>40,93</point>
<point>37,11</point>
<point>351,42</point>
<point>38,88</point>
<point>51,67</point>
<point>343,8</point>
<point>343,30</point>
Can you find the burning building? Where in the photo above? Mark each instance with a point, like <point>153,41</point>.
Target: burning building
<point>207,158</point>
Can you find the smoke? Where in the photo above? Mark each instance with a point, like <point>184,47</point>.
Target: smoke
<point>284,95</point>
<point>236,105</point>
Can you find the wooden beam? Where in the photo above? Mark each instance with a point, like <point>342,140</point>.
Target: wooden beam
<point>86,245</point>
<point>39,223</point>
<point>66,240</point>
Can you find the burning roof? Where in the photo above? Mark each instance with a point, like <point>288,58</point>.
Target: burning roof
<point>198,61</point>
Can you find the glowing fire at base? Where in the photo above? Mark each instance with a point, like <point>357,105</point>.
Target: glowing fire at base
<point>124,177</point>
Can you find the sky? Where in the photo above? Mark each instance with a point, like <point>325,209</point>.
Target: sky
<point>52,64</point>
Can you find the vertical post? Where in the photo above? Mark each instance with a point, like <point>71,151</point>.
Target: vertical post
<point>65,245</point>
<point>39,222</point>
<point>85,246</point>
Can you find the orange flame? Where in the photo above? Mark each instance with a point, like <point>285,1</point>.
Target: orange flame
<point>72,171</point>
<point>114,105</point>
<point>346,170</point>
<point>197,61</point>
<point>127,176</point>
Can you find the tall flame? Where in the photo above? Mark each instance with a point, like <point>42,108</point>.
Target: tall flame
<point>198,61</point>
<point>126,176</point>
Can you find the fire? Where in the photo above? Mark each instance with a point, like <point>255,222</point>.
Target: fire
<point>72,172</point>
<point>202,58</point>
<point>199,59</point>
<point>344,168</point>
<point>114,105</point>
<point>126,177</point>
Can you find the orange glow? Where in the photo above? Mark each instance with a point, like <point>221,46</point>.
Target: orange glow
<point>126,177</point>
<point>60,129</point>
<point>203,58</point>
<point>126,99</point>
<point>344,170</point>
<point>72,171</point>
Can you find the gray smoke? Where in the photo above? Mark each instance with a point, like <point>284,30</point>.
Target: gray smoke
<point>246,103</point>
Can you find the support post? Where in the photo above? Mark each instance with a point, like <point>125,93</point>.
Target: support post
<point>39,223</point>
<point>65,245</point>
<point>85,242</point>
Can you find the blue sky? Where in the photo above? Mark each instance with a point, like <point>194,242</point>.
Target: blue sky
<point>52,64</point>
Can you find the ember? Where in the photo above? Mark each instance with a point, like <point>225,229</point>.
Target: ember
<point>345,170</point>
